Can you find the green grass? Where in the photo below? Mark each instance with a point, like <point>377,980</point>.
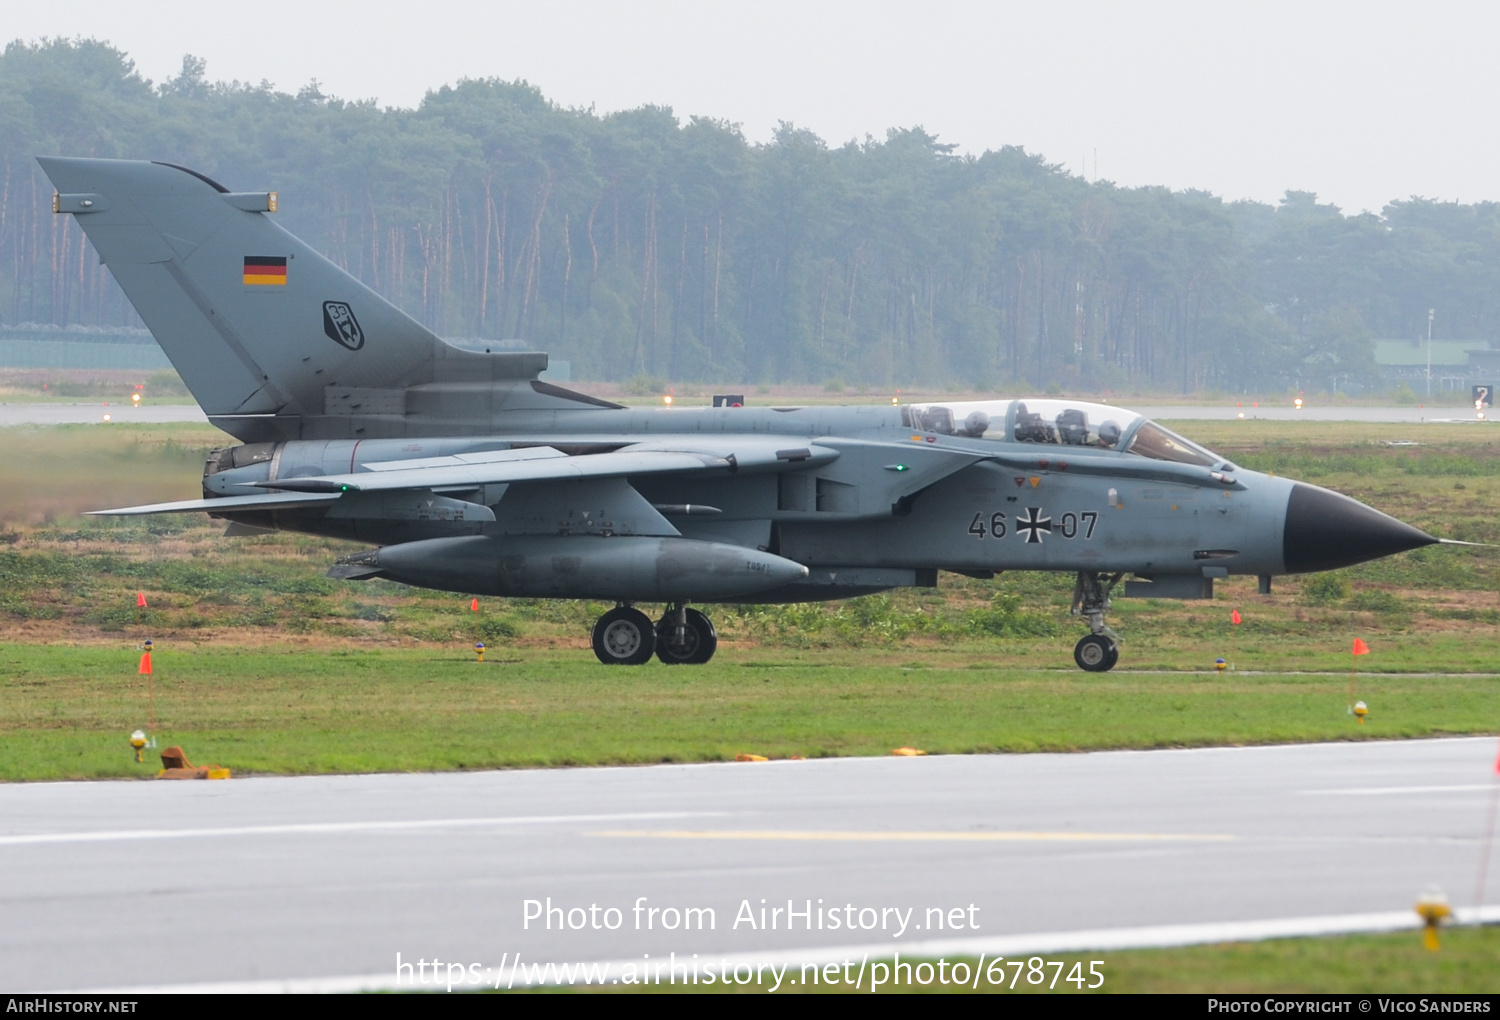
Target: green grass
<point>1395,964</point>
<point>68,709</point>
<point>1388,963</point>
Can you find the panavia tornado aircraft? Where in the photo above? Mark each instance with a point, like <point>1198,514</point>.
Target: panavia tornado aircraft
<point>470,474</point>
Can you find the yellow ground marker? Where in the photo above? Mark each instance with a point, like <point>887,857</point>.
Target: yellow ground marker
<point>919,837</point>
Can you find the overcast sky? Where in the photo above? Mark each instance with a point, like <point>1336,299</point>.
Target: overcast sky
<point>1361,102</point>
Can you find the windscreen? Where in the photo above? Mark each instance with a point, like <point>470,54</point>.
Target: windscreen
<point>1151,440</point>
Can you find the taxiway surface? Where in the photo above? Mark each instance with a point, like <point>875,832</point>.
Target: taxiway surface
<point>90,414</point>
<point>121,884</point>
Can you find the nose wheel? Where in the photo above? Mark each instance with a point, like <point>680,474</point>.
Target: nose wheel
<point>1098,651</point>
<point>685,637</point>
<point>624,637</point>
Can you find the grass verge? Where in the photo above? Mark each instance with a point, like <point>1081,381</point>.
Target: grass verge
<point>1392,963</point>
<point>284,710</point>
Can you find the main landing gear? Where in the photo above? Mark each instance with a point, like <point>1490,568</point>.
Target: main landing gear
<point>625,636</point>
<point>685,636</point>
<point>1098,651</point>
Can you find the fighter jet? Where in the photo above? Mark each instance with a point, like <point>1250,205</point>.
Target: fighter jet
<point>468,473</point>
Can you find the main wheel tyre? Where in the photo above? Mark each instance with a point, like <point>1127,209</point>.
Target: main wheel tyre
<point>624,637</point>
<point>1096,653</point>
<point>699,642</point>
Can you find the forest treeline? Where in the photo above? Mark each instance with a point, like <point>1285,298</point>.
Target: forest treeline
<point>636,243</point>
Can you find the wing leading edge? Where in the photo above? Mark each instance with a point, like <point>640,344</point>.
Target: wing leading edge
<point>502,467</point>
<point>466,471</point>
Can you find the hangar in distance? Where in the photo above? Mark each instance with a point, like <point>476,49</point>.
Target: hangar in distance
<point>468,473</point>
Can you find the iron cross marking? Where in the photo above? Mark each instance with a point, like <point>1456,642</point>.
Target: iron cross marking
<point>1034,524</point>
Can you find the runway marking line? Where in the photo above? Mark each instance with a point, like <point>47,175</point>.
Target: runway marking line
<point>918,837</point>
<point>1371,791</point>
<point>325,828</point>
<point>1022,945</point>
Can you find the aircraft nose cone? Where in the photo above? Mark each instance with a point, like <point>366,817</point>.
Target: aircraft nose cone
<point>1326,530</point>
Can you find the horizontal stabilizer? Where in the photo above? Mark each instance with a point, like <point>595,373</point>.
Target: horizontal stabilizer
<point>267,501</point>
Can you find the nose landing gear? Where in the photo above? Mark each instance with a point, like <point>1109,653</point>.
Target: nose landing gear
<point>1098,651</point>
<point>625,636</point>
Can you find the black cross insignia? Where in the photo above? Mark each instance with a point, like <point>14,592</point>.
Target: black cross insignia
<point>1034,524</point>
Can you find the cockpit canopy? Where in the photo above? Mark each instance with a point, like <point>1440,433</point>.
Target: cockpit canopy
<point>1057,423</point>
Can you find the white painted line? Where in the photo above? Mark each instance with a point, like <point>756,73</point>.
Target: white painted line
<point>896,836</point>
<point>1377,791</point>
<point>991,946</point>
<point>326,828</point>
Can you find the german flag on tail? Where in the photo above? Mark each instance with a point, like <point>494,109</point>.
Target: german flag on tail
<point>262,270</point>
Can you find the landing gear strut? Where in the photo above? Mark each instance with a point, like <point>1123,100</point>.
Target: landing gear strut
<point>625,636</point>
<point>685,636</point>
<point>1098,651</point>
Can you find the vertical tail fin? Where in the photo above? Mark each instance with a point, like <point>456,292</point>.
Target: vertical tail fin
<point>254,320</point>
